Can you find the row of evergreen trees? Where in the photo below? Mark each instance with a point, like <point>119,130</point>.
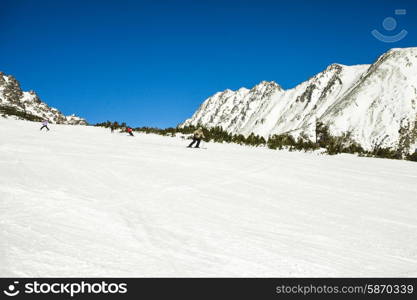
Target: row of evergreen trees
<point>324,140</point>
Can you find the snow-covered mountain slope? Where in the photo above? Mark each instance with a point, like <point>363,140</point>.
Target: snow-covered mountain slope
<point>373,102</point>
<point>80,201</point>
<point>13,99</point>
<point>234,109</point>
<point>381,108</point>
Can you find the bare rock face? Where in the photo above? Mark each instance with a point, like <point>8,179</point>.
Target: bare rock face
<point>27,105</point>
<point>375,104</point>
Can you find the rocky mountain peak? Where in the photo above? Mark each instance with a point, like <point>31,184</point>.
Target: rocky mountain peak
<point>28,105</point>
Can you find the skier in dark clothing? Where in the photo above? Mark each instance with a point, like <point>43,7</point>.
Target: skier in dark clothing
<point>130,131</point>
<point>45,125</point>
<point>112,129</point>
<point>197,136</point>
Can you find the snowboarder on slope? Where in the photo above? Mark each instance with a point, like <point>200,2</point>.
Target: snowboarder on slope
<point>197,136</point>
<point>130,131</point>
<point>45,125</point>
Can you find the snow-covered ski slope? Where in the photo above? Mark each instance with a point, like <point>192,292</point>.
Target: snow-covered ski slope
<point>80,201</point>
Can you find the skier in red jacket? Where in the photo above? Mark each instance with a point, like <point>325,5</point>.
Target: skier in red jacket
<point>130,131</point>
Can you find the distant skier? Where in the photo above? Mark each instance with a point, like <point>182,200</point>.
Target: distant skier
<point>45,125</point>
<point>112,128</point>
<point>198,135</point>
<point>130,131</point>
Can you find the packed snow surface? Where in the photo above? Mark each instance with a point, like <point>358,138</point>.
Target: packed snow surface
<point>80,201</point>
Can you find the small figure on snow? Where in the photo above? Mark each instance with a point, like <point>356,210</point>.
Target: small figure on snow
<point>130,131</point>
<point>45,125</point>
<point>198,135</point>
<point>112,128</point>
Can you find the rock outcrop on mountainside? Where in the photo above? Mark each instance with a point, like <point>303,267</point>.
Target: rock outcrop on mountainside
<point>28,106</point>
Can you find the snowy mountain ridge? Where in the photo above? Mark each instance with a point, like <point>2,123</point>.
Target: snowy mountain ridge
<point>22,104</point>
<point>375,104</point>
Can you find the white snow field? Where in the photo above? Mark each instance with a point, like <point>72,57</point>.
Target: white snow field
<point>80,201</point>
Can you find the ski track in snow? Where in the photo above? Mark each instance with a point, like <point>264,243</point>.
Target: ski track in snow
<point>80,201</point>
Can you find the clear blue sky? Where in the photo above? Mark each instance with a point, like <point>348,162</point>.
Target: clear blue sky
<point>153,62</point>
